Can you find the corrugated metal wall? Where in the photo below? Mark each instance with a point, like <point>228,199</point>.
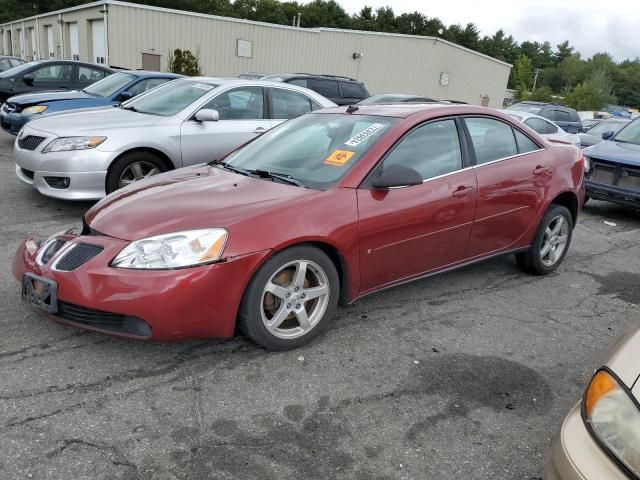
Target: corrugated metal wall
<point>389,63</point>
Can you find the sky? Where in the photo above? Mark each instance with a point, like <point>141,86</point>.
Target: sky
<point>591,26</point>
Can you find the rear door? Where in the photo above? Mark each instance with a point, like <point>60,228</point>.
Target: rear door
<point>88,75</point>
<point>513,175</point>
<point>55,76</point>
<point>286,104</point>
<point>328,88</point>
<point>407,231</point>
<point>243,116</point>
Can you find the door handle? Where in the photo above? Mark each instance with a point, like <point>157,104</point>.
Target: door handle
<point>540,170</point>
<point>463,191</point>
<point>260,130</point>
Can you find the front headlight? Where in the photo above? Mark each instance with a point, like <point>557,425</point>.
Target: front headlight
<point>33,110</point>
<point>173,250</point>
<point>66,144</point>
<point>587,164</point>
<point>613,416</point>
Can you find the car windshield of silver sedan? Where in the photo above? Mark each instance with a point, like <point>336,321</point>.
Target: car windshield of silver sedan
<point>606,126</point>
<point>109,85</point>
<point>315,150</point>
<point>629,134</point>
<point>169,99</point>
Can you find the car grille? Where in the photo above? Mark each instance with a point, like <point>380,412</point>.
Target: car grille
<point>621,176</point>
<point>77,256</point>
<point>51,250</point>
<point>88,316</point>
<point>30,142</point>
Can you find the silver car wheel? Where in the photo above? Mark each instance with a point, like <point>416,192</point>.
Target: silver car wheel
<point>295,299</point>
<point>554,241</point>
<point>137,171</point>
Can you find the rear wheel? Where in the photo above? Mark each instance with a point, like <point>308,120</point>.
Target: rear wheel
<point>550,244</point>
<point>291,299</point>
<point>133,167</point>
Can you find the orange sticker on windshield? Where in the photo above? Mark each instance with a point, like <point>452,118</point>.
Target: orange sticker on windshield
<point>339,157</point>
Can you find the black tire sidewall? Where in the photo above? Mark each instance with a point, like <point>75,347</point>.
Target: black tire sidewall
<point>535,261</point>
<point>250,316</point>
<point>112,182</point>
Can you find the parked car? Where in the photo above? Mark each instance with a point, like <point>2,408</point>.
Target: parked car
<point>595,134</point>
<point>545,127</point>
<point>43,75</point>
<point>613,167</point>
<point>567,118</point>
<point>85,154</point>
<point>600,438</point>
<point>327,207</point>
<point>7,62</point>
<point>112,90</point>
<point>252,75</point>
<point>390,98</point>
<point>587,123</point>
<point>340,90</point>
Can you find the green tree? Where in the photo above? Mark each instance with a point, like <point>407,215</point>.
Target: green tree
<point>522,74</point>
<point>592,94</point>
<point>184,62</point>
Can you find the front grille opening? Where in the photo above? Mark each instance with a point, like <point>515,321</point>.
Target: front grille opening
<point>105,321</point>
<point>51,250</point>
<point>30,142</point>
<point>57,182</point>
<point>77,256</point>
<point>27,173</point>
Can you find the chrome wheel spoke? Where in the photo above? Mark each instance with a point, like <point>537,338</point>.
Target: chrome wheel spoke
<point>559,224</point>
<point>276,290</point>
<point>303,319</point>
<point>136,169</point>
<point>315,292</point>
<point>278,318</point>
<point>545,249</point>
<point>153,171</point>
<point>300,275</point>
<point>561,239</point>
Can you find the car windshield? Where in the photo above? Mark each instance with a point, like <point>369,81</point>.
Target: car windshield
<point>315,149</point>
<point>605,127</point>
<point>171,98</point>
<point>629,134</point>
<point>109,85</point>
<point>19,69</point>
<point>526,107</point>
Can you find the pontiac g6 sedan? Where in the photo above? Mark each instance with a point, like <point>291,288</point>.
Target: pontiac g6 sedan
<point>326,208</point>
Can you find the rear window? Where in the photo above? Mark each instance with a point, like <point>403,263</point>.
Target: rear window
<point>326,88</point>
<point>562,116</point>
<point>351,90</point>
<point>526,107</point>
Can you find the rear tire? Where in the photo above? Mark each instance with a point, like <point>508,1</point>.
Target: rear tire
<point>132,167</point>
<point>291,299</point>
<point>551,243</point>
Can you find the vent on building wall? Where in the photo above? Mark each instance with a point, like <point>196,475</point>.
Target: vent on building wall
<point>444,79</point>
<point>244,48</point>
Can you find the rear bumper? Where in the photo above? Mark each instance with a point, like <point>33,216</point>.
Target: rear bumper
<point>188,303</point>
<point>576,456</point>
<point>614,194</point>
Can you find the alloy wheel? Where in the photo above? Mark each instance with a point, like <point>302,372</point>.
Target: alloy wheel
<point>137,171</point>
<point>554,241</point>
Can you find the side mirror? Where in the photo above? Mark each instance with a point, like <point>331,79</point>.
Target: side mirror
<point>207,115</point>
<point>124,96</point>
<point>28,79</point>
<point>608,134</point>
<point>396,176</point>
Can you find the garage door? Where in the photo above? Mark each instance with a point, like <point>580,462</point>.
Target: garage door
<point>74,41</point>
<point>51,50</point>
<point>97,40</point>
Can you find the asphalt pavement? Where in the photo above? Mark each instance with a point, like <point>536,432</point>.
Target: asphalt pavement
<point>466,375</point>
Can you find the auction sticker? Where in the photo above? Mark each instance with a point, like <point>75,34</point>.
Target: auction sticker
<point>339,157</point>
<point>364,134</point>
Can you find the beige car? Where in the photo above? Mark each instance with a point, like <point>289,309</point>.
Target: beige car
<point>600,439</point>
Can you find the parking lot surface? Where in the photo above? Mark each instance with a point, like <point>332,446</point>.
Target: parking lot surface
<point>463,375</point>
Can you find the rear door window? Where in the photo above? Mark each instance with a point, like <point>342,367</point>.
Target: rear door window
<point>286,104</point>
<point>551,128</point>
<point>244,103</point>
<point>326,88</point>
<point>301,82</point>
<point>548,113</point>
<point>352,90</point>
<point>536,124</point>
<point>525,144</point>
<point>562,116</point>
<point>491,139</point>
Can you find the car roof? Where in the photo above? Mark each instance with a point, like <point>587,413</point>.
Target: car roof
<point>150,73</point>
<point>313,75</point>
<point>243,81</point>
<point>405,110</point>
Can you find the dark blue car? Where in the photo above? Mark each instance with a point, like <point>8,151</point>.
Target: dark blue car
<point>613,167</point>
<point>110,90</point>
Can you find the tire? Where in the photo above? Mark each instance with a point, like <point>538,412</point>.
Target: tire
<point>535,261</point>
<point>123,170</point>
<point>275,318</point>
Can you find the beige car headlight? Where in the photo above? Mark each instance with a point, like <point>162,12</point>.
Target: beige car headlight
<point>33,110</point>
<point>612,415</point>
<point>173,250</point>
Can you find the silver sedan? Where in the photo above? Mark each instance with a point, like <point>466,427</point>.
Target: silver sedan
<point>544,127</point>
<point>86,154</point>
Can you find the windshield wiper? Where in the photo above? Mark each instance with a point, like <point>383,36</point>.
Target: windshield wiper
<point>129,107</point>
<point>231,168</point>
<point>280,176</point>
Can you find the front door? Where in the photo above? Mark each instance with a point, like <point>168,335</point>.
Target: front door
<point>242,117</point>
<point>513,175</point>
<point>57,76</point>
<point>407,231</point>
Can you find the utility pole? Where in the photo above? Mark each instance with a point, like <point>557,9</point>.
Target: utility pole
<point>535,79</point>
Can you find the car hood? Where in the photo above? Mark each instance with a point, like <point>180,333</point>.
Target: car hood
<point>189,198</point>
<point>42,97</point>
<point>622,360</point>
<point>587,140</point>
<point>626,153</point>
<point>94,121</point>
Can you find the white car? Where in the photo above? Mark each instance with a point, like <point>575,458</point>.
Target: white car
<point>544,127</point>
<point>86,154</point>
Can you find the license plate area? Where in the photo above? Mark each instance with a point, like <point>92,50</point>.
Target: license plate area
<point>40,292</point>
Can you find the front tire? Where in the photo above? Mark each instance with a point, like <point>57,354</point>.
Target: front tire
<point>131,168</point>
<point>291,299</point>
<point>550,244</point>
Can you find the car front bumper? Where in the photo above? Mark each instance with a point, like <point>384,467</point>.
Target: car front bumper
<point>84,170</point>
<point>576,456</point>
<point>159,305</point>
<point>610,193</point>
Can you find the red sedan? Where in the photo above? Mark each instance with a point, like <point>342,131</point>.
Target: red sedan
<point>326,208</point>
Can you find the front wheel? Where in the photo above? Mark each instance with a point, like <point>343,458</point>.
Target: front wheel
<point>131,168</point>
<point>291,298</point>
<point>550,244</point>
